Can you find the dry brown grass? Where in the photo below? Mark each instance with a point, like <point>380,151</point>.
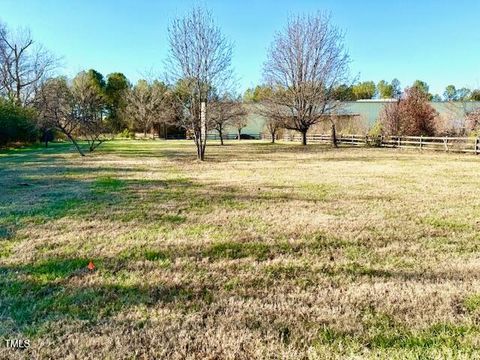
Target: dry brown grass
<point>263,251</point>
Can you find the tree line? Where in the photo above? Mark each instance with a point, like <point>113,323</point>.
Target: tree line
<point>368,90</point>
<point>305,78</point>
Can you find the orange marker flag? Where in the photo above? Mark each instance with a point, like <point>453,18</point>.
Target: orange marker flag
<point>91,266</point>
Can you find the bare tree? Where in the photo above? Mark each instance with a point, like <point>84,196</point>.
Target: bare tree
<point>306,63</point>
<point>273,125</point>
<point>148,103</point>
<point>459,116</point>
<point>226,111</point>
<point>472,120</point>
<point>139,107</point>
<point>56,109</point>
<point>90,105</point>
<point>200,57</point>
<point>3,60</point>
<point>24,65</point>
<point>390,119</point>
<point>259,101</point>
<point>239,122</point>
<point>166,107</point>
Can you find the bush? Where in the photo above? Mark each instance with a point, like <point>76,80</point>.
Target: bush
<point>127,134</point>
<point>410,116</point>
<point>17,124</point>
<point>375,135</point>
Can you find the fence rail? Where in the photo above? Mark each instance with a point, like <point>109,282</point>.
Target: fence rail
<point>234,136</point>
<point>448,144</point>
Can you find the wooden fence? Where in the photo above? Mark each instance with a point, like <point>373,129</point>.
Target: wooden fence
<point>234,136</point>
<point>448,144</point>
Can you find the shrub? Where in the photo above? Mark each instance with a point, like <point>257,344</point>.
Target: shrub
<point>375,135</point>
<point>127,134</point>
<point>17,124</point>
<point>410,116</point>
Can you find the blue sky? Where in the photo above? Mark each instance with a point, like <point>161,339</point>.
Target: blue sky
<point>435,41</point>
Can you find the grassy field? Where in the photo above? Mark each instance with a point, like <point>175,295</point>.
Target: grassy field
<point>263,251</point>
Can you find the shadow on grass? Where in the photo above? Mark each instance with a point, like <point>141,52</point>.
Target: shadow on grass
<point>39,192</point>
<point>64,289</point>
<point>111,198</point>
<point>38,153</point>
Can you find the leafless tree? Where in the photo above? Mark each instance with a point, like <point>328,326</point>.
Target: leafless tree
<point>239,122</point>
<point>200,57</point>
<point>306,62</point>
<point>89,103</point>
<point>24,65</point>
<point>472,120</point>
<point>390,119</point>
<point>226,111</point>
<point>3,60</point>
<point>147,103</point>
<point>458,117</point>
<point>273,125</point>
<point>56,109</point>
<point>139,106</point>
<point>166,106</point>
<point>274,115</point>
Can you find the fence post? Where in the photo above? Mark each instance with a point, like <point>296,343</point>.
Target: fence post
<point>445,142</point>
<point>421,145</point>
<point>476,145</point>
<point>399,141</point>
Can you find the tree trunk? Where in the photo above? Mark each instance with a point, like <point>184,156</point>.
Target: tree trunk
<point>199,155</point>
<point>334,136</point>
<point>200,143</point>
<point>76,145</point>
<point>17,78</point>
<point>197,144</point>
<point>273,137</point>
<point>200,148</point>
<point>304,137</point>
<point>204,145</point>
<point>239,134</point>
<point>202,132</point>
<point>221,138</point>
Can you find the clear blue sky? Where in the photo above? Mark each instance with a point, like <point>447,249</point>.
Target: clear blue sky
<point>435,41</point>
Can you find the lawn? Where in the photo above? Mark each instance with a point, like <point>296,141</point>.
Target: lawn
<point>263,251</point>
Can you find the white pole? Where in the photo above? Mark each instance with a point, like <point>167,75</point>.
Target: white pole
<point>203,121</point>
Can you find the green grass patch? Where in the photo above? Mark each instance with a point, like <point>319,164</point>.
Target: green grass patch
<point>5,233</point>
<point>54,269</point>
<point>108,184</point>
<point>472,302</point>
<point>286,271</point>
<point>155,255</point>
<point>317,192</point>
<point>236,250</point>
<point>447,224</point>
<point>436,336</point>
